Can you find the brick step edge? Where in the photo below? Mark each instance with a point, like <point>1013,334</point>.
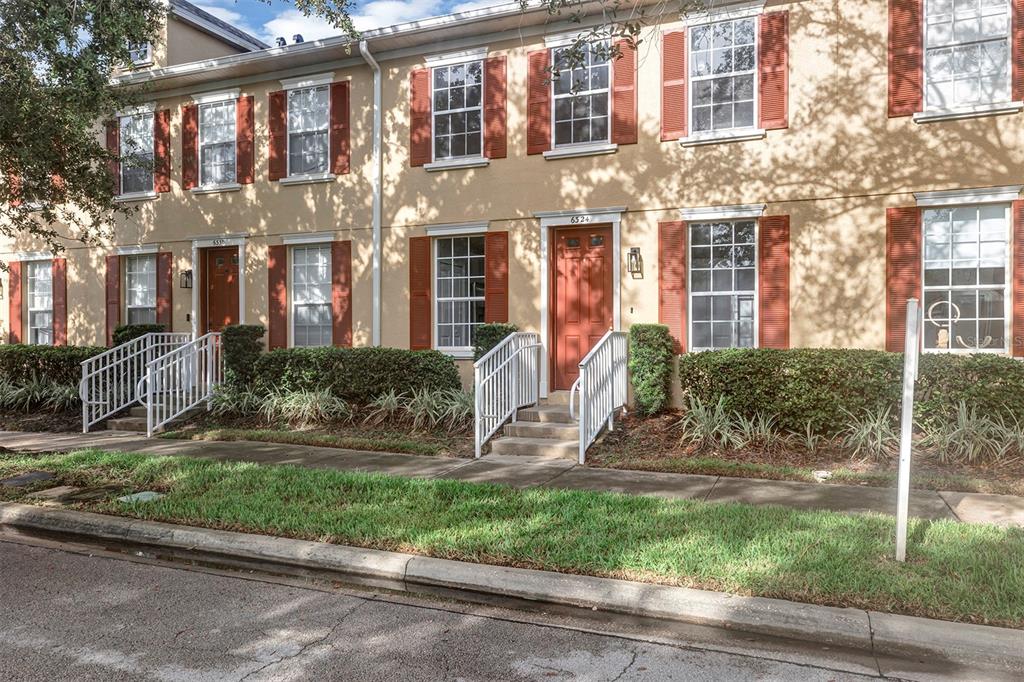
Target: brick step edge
<point>879,633</point>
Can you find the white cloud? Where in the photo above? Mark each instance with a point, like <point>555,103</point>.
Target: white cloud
<point>292,21</point>
<point>379,13</point>
<point>470,5</point>
<point>236,19</point>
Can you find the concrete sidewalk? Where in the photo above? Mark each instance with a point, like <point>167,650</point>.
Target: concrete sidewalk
<point>521,472</point>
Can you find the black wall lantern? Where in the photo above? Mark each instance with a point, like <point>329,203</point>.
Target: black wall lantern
<point>635,263</point>
<point>185,279</point>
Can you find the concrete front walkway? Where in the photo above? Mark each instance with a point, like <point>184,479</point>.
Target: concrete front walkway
<point>522,472</point>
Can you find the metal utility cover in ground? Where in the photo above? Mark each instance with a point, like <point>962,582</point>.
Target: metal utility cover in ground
<point>144,496</point>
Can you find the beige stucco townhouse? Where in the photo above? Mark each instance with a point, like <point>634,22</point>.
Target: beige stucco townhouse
<point>773,173</point>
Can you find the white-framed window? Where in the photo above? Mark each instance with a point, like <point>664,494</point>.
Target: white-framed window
<point>137,151</point>
<point>140,289</point>
<point>581,102</point>
<point>967,53</point>
<point>308,123</point>
<point>723,284</point>
<point>458,110</point>
<point>39,276</point>
<point>966,300</point>
<point>140,54</point>
<point>723,68</point>
<point>217,143</point>
<point>311,295</point>
<point>458,290</point>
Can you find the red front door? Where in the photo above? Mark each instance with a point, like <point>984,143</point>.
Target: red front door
<point>582,297</point>
<point>221,288</point>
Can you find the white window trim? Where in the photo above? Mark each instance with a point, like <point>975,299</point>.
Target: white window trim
<point>456,352</point>
<point>711,15</point>
<point>586,149</point>
<point>976,111</point>
<point>141,250</point>
<point>757,278</point>
<point>454,58</point>
<point>734,212</point>
<point>215,98</point>
<point>694,139</point>
<point>945,114</point>
<point>457,229</point>
<point>307,178</point>
<point>310,241</point>
<point>215,189</point>
<point>147,60</point>
<point>563,39</point>
<point>144,108</point>
<point>311,179</point>
<point>303,82</point>
<point>1007,279</point>
<point>969,197</point>
<point>219,96</point>
<point>26,256</point>
<point>136,196</point>
<point>723,136</point>
<point>125,307</point>
<point>205,242</point>
<point>456,163</point>
<point>459,161</point>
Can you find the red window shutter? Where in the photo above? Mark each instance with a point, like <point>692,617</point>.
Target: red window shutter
<point>420,333</point>
<point>14,300</point>
<point>340,129</point>
<point>114,147</point>
<point>1018,279</point>
<point>773,282</point>
<point>672,280</point>
<point>341,293</point>
<point>906,58</point>
<point>419,118</point>
<point>1017,48</point>
<point>245,151</point>
<point>624,94</point>
<point>189,146</point>
<point>538,102</point>
<point>673,86</point>
<point>162,150</point>
<point>278,126</point>
<point>113,296</point>
<point>164,286</point>
<point>496,277</point>
<point>902,271</point>
<point>277,288</point>
<point>495,108</point>
<point>773,62</point>
<point>60,301</point>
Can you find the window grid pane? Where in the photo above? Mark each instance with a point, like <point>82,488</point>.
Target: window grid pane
<point>40,302</point>
<point>458,110</point>
<point>312,323</point>
<point>459,288</point>
<point>137,153</point>
<point>723,272</point>
<point>217,143</point>
<point>722,66</point>
<point>965,260</point>
<point>140,289</point>
<point>582,116</point>
<point>308,121</point>
<point>967,57</point>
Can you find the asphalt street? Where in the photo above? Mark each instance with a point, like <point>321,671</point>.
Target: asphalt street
<point>81,615</point>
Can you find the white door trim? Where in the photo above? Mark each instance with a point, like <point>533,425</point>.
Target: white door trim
<point>198,277</point>
<point>575,218</point>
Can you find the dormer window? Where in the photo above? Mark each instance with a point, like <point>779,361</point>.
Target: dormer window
<point>140,54</point>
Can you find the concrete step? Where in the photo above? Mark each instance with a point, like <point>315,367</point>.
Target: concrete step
<point>531,429</point>
<point>546,448</point>
<point>137,411</point>
<point>137,424</point>
<point>552,414</point>
<point>556,398</point>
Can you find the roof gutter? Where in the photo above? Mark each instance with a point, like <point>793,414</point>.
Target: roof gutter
<point>378,189</point>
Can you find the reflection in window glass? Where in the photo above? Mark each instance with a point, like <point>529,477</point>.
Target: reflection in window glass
<point>217,143</point>
<point>459,287</point>
<point>722,65</point>
<point>458,110</point>
<point>581,98</point>
<point>723,272</point>
<point>308,121</point>
<point>311,296</point>
<point>40,302</point>
<point>137,153</point>
<point>966,52</point>
<point>140,289</point>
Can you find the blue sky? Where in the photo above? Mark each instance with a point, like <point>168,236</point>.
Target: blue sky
<point>280,18</point>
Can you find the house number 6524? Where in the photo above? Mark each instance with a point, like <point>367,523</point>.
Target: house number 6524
<point>580,219</point>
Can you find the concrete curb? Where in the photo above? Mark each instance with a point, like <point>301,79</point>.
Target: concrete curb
<point>878,633</point>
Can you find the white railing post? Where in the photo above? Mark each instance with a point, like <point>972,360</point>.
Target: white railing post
<point>499,385</point>
<point>477,416</point>
<point>911,351</point>
<point>601,373</point>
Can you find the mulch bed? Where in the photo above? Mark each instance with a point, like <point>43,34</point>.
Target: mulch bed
<point>42,420</point>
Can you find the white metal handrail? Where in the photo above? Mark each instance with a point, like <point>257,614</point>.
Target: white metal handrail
<point>601,386</point>
<point>110,380</point>
<point>180,380</point>
<point>504,380</point>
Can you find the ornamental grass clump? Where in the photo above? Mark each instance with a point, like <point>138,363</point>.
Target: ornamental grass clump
<point>970,438</point>
<point>304,409</point>
<point>871,435</point>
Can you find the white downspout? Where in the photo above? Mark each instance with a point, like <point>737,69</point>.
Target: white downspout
<point>378,179</point>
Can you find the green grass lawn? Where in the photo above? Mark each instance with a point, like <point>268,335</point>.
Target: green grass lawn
<point>955,571</point>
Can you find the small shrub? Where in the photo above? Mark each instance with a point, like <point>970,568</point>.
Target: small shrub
<point>235,401</point>
<point>651,354</point>
<point>871,435</point>
<point>304,409</point>
<point>968,438</point>
<point>20,363</point>
<point>490,335</point>
<point>242,346</point>
<point>124,333</point>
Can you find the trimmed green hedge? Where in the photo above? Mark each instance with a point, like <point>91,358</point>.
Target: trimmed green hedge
<point>490,335</point>
<point>650,367</point>
<point>242,345</point>
<point>357,375</point>
<point>23,363</point>
<point>817,386</point>
<point>124,333</point>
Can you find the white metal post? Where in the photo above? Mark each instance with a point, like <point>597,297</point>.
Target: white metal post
<point>911,350</point>
<point>477,423</point>
<point>583,415</point>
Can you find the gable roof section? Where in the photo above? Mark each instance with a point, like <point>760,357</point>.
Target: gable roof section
<point>222,30</point>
